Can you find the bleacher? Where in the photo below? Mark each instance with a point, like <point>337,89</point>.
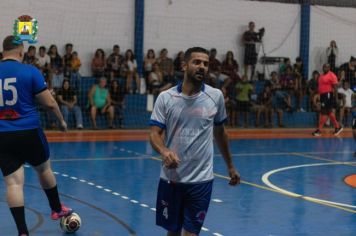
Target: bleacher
<point>136,115</point>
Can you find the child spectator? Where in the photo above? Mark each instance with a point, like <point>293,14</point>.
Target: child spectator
<point>98,64</point>
<point>132,74</point>
<point>243,90</point>
<point>117,101</point>
<point>345,109</point>
<point>74,67</point>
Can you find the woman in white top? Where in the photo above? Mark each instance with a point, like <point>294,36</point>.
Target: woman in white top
<point>148,62</point>
<point>132,74</point>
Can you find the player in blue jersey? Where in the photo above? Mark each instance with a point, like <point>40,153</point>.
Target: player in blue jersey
<point>184,121</point>
<point>21,138</point>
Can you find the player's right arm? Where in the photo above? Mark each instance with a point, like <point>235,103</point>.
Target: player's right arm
<point>158,125</point>
<point>169,158</point>
<point>46,100</point>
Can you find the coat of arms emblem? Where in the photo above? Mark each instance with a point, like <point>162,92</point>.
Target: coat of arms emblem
<point>25,29</point>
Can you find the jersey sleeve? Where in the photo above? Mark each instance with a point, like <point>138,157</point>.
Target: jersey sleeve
<point>38,82</point>
<point>333,79</point>
<point>158,117</point>
<point>220,116</point>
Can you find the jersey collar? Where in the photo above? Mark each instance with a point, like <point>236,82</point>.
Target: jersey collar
<point>180,84</point>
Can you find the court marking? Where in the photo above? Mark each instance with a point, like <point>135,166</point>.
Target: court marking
<point>110,215</point>
<point>40,219</point>
<point>99,187</point>
<point>265,179</point>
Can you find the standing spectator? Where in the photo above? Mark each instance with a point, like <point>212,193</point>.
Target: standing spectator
<point>98,63</point>
<point>347,95</point>
<point>44,65</point>
<point>283,67</point>
<point>148,62</point>
<point>313,87</point>
<point>327,86</point>
<point>30,56</point>
<point>117,101</point>
<point>100,100</point>
<point>350,68</point>
<point>243,90</point>
<point>250,38</point>
<point>67,98</point>
<point>56,67</point>
<point>74,67</point>
<point>114,63</point>
<point>332,53</point>
<point>132,74</point>
<point>67,61</point>
<point>264,101</point>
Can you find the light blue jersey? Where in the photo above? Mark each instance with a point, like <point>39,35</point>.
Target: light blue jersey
<point>189,123</point>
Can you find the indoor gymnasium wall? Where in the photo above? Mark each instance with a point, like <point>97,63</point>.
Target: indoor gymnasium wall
<point>331,23</point>
<point>179,24</point>
<point>88,24</point>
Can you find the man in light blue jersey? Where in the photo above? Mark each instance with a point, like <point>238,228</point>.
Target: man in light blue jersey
<point>184,121</point>
<point>21,138</point>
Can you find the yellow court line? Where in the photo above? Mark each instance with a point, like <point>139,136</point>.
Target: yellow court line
<point>319,158</point>
<point>276,191</point>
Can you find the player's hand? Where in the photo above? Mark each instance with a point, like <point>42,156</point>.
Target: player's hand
<point>234,176</point>
<point>170,159</point>
<point>63,126</point>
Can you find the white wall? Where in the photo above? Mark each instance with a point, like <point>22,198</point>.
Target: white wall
<point>88,24</point>
<point>220,24</point>
<point>332,23</point>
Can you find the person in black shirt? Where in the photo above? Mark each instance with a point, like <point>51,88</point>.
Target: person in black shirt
<point>67,98</point>
<point>117,100</point>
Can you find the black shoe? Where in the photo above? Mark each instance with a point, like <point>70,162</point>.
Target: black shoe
<point>317,133</point>
<point>338,130</point>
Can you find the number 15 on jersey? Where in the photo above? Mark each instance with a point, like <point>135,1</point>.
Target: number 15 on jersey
<point>8,85</point>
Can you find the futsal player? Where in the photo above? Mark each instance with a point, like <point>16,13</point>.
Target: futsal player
<point>21,138</point>
<point>327,89</point>
<point>184,122</point>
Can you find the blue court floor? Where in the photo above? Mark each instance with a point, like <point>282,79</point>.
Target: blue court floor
<point>290,187</point>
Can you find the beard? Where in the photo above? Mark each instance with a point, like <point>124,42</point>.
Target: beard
<point>197,77</point>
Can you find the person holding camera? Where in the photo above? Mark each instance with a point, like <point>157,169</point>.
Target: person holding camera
<point>250,39</point>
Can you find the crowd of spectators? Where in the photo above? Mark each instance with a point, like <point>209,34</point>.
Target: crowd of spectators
<point>284,90</point>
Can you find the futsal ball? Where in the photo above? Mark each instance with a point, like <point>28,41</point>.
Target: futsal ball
<point>71,223</point>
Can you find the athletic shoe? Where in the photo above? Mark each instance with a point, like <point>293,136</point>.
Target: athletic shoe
<point>64,212</point>
<point>316,133</point>
<point>338,130</point>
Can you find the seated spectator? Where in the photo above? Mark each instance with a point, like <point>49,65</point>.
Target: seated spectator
<point>98,64</point>
<point>283,67</point>
<point>345,108</point>
<point>132,75</point>
<point>74,67</point>
<point>148,62</point>
<point>350,69</point>
<point>100,100</point>
<point>229,68</point>
<point>67,98</point>
<point>67,61</point>
<point>167,69</point>
<point>44,65</point>
<point>215,70</point>
<point>30,56</point>
<point>155,80</point>
<point>117,101</point>
<point>56,67</point>
<point>114,64</point>
<point>243,98</point>
<point>178,66</point>
<point>264,102</point>
<point>313,87</point>
<point>290,83</point>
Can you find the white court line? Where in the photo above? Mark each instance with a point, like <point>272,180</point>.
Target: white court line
<point>265,179</point>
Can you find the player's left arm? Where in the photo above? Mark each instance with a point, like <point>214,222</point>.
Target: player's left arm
<point>222,142</point>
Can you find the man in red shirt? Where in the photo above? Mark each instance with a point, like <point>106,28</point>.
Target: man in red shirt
<point>327,85</point>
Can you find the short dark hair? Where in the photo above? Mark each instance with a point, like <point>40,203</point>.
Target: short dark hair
<point>69,45</point>
<point>43,48</point>
<point>189,52</point>
<point>10,43</point>
<point>116,46</point>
